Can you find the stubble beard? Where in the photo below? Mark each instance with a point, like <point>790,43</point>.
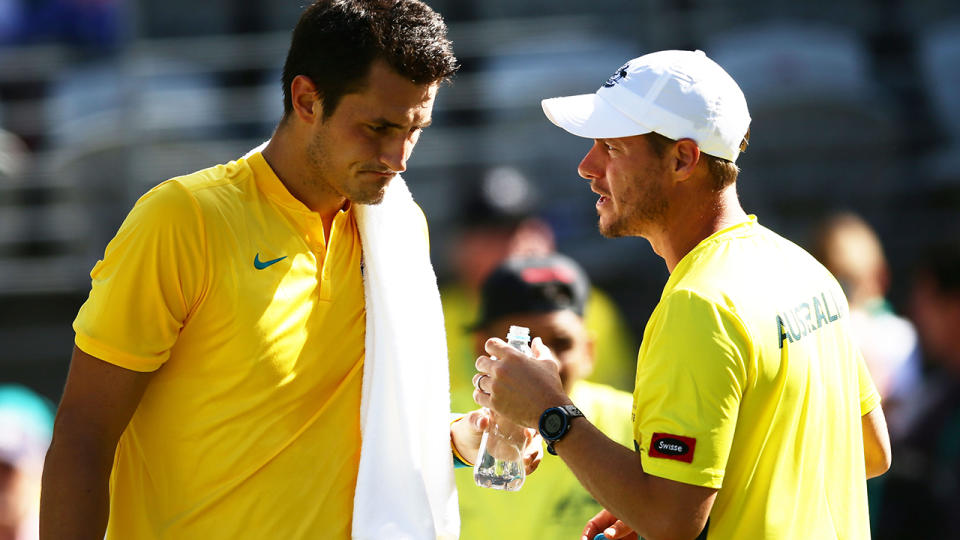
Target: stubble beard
<point>369,194</point>
<point>648,207</point>
<point>357,192</point>
<point>617,229</point>
<point>371,201</point>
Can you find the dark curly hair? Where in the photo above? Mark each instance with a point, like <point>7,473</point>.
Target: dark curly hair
<point>336,41</point>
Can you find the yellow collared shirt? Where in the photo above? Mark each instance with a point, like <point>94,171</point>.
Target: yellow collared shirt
<point>222,283</point>
<point>748,381</point>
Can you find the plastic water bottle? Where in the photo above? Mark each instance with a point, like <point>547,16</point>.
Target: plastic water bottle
<point>499,463</point>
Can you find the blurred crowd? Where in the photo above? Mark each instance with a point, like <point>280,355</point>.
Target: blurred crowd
<point>915,363</point>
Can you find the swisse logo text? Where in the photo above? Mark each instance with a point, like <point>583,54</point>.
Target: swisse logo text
<point>672,447</point>
<point>668,446</point>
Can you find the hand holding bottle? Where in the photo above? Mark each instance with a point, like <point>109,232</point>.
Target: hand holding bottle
<point>499,463</point>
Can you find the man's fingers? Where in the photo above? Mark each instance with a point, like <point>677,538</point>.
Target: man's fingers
<point>477,420</point>
<point>497,347</point>
<point>538,348</point>
<point>484,364</point>
<point>482,422</point>
<point>481,399</point>
<point>533,450</point>
<point>597,524</point>
<point>619,530</point>
<point>542,352</point>
<point>531,462</point>
<point>478,382</point>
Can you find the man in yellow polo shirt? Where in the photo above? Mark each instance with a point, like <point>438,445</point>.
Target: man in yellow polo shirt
<point>752,407</point>
<point>217,375</point>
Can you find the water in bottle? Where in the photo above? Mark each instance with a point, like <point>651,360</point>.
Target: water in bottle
<point>499,463</point>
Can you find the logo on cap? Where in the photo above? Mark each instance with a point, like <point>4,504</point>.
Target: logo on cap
<point>616,77</point>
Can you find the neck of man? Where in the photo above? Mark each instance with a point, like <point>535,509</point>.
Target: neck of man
<point>287,154</point>
<point>695,214</point>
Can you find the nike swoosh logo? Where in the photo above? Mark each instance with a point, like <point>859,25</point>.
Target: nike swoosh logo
<point>260,265</point>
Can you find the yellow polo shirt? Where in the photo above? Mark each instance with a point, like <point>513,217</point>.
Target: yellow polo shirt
<point>221,282</point>
<point>748,380</point>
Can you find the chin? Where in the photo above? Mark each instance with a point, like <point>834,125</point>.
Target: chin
<point>622,226</point>
<point>370,193</point>
<point>370,198</point>
<point>611,231</point>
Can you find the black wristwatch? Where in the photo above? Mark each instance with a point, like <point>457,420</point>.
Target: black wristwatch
<point>555,423</point>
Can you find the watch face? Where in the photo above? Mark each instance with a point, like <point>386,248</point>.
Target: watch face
<point>553,423</point>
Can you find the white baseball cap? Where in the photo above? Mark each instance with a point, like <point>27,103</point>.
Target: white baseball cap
<point>678,94</point>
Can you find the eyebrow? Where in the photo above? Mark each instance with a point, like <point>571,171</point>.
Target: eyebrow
<point>387,123</point>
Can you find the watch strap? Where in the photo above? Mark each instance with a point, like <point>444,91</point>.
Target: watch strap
<point>572,411</point>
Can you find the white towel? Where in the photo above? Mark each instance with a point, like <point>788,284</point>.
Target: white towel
<point>405,487</point>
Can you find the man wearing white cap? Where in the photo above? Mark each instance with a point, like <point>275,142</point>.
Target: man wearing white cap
<point>753,413</point>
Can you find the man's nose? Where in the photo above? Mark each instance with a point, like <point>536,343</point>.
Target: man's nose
<point>395,153</point>
<point>589,167</point>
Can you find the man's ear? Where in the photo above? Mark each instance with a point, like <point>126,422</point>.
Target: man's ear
<point>686,155</point>
<point>307,104</point>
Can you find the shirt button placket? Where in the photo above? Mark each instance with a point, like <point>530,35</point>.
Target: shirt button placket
<point>315,234</point>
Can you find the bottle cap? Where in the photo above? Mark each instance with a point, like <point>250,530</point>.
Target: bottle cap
<point>518,332</point>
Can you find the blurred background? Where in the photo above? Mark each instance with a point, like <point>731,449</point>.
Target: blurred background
<point>855,107</point>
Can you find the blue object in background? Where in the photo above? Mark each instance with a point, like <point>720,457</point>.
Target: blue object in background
<point>26,425</point>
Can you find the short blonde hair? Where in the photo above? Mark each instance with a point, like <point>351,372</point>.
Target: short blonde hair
<point>722,171</point>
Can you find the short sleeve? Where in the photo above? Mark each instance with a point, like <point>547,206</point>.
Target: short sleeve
<point>869,395</point>
<point>691,375</point>
<point>146,285</point>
